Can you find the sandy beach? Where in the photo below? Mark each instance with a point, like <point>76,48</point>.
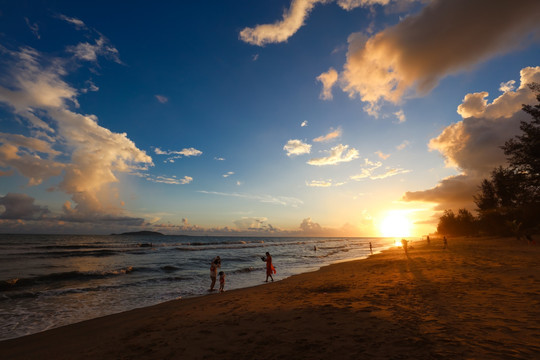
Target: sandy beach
<point>479,299</point>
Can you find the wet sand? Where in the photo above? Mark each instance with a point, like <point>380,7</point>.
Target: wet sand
<point>479,299</point>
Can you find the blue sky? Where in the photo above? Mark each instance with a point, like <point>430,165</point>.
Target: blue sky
<point>302,117</point>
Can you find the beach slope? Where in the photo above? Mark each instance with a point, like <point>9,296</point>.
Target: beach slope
<point>480,298</point>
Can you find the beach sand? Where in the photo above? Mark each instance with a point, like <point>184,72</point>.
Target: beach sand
<point>479,299</point>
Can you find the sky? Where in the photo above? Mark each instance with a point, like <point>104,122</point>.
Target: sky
<point>257,118</point>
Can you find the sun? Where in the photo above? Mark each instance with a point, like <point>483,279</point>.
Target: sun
<point>395,224</point>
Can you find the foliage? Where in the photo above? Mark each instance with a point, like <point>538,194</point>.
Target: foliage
<point>509,201</point>
<point>462,224</point>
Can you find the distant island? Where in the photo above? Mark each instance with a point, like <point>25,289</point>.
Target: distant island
<point>144,232</point>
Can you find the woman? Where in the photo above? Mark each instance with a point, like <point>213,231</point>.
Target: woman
<point>270,269</point>
<point>216,263</point>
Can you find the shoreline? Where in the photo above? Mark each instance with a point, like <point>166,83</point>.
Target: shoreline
<point>478,299</point>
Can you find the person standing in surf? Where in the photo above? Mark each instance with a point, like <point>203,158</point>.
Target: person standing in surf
<point>216,263</point>
<point>270,269</point>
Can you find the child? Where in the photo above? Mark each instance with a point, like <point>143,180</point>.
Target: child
<point>221,281</point>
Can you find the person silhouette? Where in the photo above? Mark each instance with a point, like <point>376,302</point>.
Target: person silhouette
<point>270,269</point>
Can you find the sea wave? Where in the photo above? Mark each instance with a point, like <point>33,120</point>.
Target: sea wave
<point>19,283</point>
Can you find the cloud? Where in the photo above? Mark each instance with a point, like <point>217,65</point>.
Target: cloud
<point>319,183</point>
<point>280,31</point>
<point>308,226</point>
<point>304,123</point>
<point>294,18</point>
<point>255,57</point>
<point>369,168</point>
<point>389,173</point>
<point>91,155</point>
<point>228,174</point>
<point>219,159</point>
<point>21,207</point>
<point>90,87</point>
<point>328,79</point>
<point>175,154</point>
<point>403,145</point>
<point>33,158</point>
<point>366,172</point>
<point>507,86</point>
<point>79,24</point>
<point>258,224</point>
<point>330,136</point>
<point>472,145</point>
<point>296,147</point>
<point>421,49</point>
<point>382,155</point>
<point>277,200</point>
<point>166,179</point>
<point>473,105</point>
<point>162,99</point>
<point>337,155</point>
<point>91,52</point>
<point>400,115</point>
<point>33,27</point>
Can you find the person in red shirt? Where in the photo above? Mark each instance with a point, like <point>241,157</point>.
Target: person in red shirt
<point>270,269</point>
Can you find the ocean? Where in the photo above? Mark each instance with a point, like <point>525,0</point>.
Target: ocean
<point>47,281</point>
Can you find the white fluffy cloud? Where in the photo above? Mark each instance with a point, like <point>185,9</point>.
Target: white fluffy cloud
<point>338,154</point>
<point>328,79</point>
<point>444,38</point>
<point>473,144</point>
<point>296,147</point>
<point>36,91</point>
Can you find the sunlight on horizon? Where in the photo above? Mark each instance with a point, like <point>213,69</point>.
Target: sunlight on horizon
<point>395,224</point>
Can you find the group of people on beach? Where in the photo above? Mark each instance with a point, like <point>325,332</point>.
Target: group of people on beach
<point>216,264</point>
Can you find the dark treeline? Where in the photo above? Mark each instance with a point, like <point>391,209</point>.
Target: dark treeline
<point>508,203</point>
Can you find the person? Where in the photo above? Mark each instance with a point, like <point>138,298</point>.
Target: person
<point>270,269</point>
<point>221,281</point>
<point>404,243</point>
<point>370,248</point>
<point>428,240</point>
<point>216,263</point>
<point>445,242</point>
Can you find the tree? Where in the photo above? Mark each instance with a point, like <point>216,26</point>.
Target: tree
<point>499,201</point>
<point>510,199</point>
<point>462,224</point>
<point>523,151</point>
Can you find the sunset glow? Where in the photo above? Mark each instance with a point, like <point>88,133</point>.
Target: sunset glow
<point>257,121</point>
<point>395,224</point>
